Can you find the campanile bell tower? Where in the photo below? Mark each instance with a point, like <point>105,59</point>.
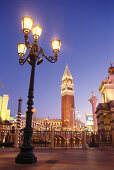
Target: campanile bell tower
<point>67,100</point>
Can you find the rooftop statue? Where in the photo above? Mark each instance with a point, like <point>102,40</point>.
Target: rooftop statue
<point>111,64</point>
<point>92,94</point>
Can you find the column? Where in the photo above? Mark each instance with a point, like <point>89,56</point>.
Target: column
<point>16,144</point>
<point>93,101</point>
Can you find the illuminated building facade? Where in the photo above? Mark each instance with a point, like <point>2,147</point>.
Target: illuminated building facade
<point>67,100</point>
<point>107,87</point>
<point>4,112</point>
<point>105,110</point>
<point>42,124</point>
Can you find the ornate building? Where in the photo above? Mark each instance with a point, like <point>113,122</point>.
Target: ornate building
<point>105,110</point>
<point>67,100</point>
<point>4,112</point>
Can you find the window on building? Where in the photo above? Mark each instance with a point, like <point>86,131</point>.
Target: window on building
<point>69,88</point>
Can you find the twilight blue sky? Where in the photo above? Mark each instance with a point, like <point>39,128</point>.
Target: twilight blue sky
<point>86,30</point>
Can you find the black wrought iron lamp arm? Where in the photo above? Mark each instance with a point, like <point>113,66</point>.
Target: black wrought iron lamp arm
<point>50,58</point>
<point>27,41</point>
<point>37,51</point>
<point>23,60</point>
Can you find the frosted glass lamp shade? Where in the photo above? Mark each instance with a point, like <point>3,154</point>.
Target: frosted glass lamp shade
<point>21,49</point>
<point>37,30</point>
<point>56,44</point>
<point>27,24</point>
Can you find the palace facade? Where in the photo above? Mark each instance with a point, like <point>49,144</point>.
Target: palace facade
<point>105,110</point>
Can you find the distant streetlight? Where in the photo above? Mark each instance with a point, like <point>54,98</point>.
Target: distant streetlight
<point>26,155</point>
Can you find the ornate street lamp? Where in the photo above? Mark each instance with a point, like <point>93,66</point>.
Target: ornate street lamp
<point>35,56</point>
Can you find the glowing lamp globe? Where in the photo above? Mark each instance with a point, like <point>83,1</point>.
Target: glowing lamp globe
<point>33,110</point>
<point>56,45</point>
<point>27,24</point>
<point>37,30</point>
<point>21,49</point>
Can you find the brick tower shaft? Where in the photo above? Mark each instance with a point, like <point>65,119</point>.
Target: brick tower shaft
<point>67,100</point>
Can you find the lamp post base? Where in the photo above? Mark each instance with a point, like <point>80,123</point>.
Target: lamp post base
<point>26,156</point>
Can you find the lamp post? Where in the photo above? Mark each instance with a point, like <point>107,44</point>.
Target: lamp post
<point>35,56</point>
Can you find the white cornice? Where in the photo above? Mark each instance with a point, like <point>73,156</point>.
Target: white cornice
<point>66,92</point>
<point>105,86</point>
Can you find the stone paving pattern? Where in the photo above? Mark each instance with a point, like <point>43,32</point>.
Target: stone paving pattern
<point>61,159</point>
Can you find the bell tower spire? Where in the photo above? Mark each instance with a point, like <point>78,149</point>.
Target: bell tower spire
<point>67,100</point>
<point>67,86</point>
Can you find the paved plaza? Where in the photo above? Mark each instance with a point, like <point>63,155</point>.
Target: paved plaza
<point>61,159</point>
